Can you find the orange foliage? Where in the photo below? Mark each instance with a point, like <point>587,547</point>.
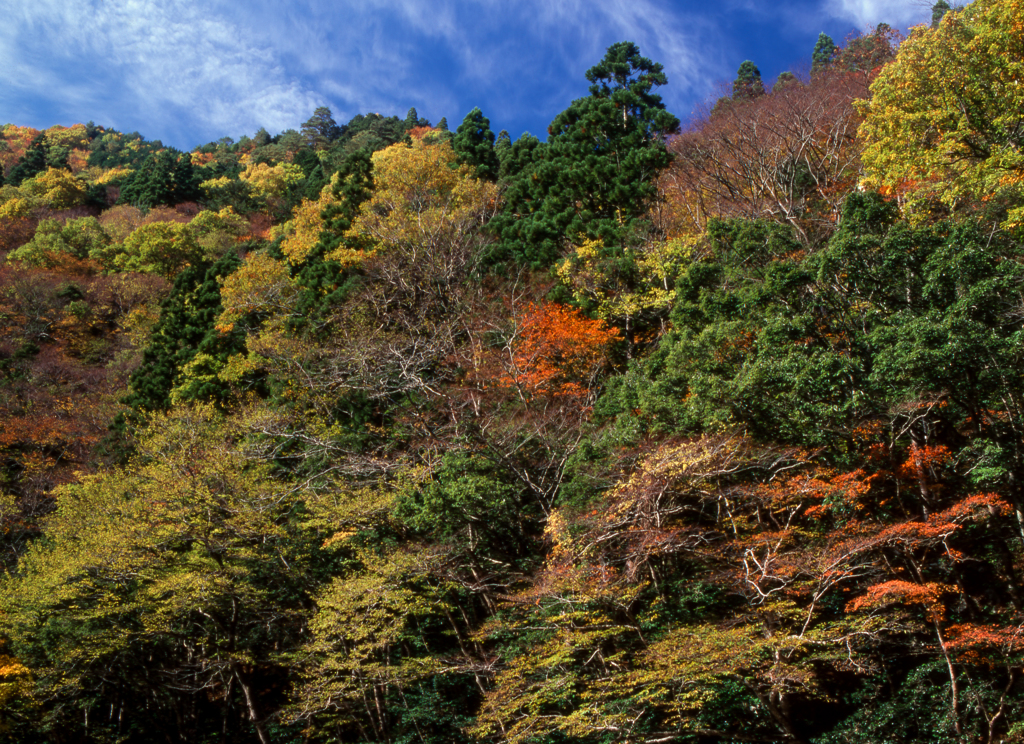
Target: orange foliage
<point>904,592</point>
<point>975,643</point>
<point>559,351</point>
<point>421,132</point>
<point>259,226</point>
<point>941,525</point>
<point>18,139</point>
<point>922,460</point>
<point>16,231</point>
<point>823,488</point>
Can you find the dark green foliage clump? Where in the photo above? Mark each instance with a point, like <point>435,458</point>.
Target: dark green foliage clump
<point>37,159</point>
<point>474,143</point>
<point>595,176</point>
<point>824,50</point>
<point>166,178</point>
<point>747,85</point>
<point>185,329</point>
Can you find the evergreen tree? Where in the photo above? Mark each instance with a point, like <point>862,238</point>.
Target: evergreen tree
<point>261,138</point>
<point>784,79</point>
<point>748,84</point>
<point>595,176</point>
<point>823,52</point>
<point>185,329</point>
<point>166,178</point>
<point>320,130</point>
<point>443,124</point>
<point>474,144</point>
<point>323,284</point>
<point>32,162</point>
<point>938,11</point>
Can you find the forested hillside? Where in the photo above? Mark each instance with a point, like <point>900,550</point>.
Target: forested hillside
<point>646,432</point>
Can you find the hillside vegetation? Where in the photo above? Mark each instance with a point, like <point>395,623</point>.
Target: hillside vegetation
<point>381,432</point>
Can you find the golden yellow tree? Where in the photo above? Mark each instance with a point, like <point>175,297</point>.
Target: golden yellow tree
<point>943,121</point>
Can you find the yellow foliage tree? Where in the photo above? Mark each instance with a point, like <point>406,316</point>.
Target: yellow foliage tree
<point>260,285</point>
<point>636,284</point>
<point>272,181</point>
<point>59,189</point>
<point>424,203</point>
<point>303,230</point>
<point>943,121</point>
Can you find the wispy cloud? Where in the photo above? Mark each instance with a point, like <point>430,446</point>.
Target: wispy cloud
<point>866,13</point>
<point>145,59</point>
<point>184,72</point>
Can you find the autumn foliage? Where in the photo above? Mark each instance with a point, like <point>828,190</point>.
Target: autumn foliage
<point>393,435</point>
<point>558,352</point>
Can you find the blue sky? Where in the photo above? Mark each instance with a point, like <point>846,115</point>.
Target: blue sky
<point>189,73</point>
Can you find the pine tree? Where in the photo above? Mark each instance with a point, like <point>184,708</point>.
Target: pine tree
<point>474,144</point>
<point>595,176</point>
<point>164,178</point>
<point>748,84</point>
<point>320,130</point>
<point>32,162</point>
<point>185,329</point>
<point>823,52</point>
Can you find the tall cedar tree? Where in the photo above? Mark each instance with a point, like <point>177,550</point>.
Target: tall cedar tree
<point>322,282</point>
<point>321,129</point>
<point>474,144</point>
<point>748,84</point>
<point>595,176</point>
<point>823,52</point>
<point>32,163</point>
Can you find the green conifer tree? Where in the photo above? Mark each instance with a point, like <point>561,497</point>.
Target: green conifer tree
<point>474,144</point>
<point>185,329</point>
<point>32,162</point>
<point>823,52</point>
<point>166,178</point>
<point>595,176</point>
<point>748,84</point>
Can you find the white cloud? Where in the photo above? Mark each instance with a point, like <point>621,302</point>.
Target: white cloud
<point>184,71</point>
<point>867,13</point>
<point>143,58</point>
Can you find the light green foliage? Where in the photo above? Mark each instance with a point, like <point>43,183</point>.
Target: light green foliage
<point>215,233</point>
<point>943,120</point>
<point>367,641</point>
<point>58,189</point>
<point>162,248</point>
<point>631,288</point>
<point>184,555</point>
<point>76,238</point>
<point>165,248</point>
